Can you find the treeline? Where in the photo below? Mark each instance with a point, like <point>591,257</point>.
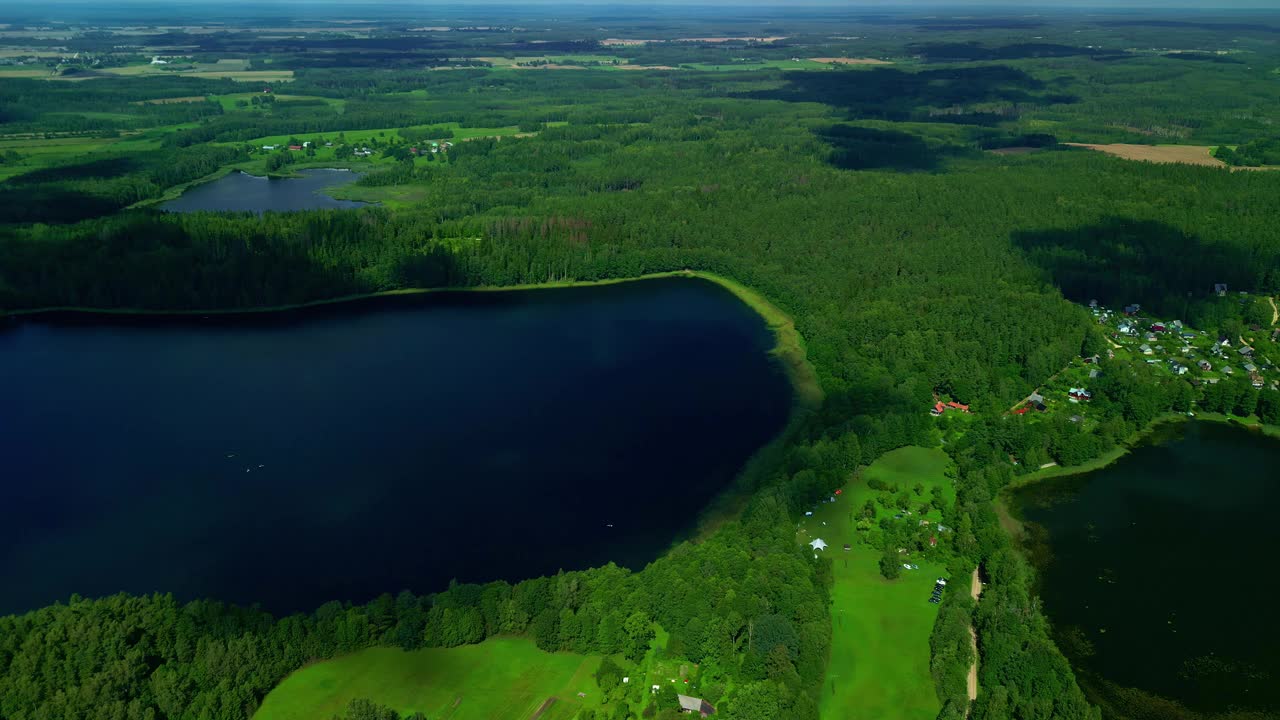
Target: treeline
<point>1264,151</point>
<point>92,188</point>
<point>746,604</point>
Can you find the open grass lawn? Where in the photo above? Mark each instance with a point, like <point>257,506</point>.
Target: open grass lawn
<point>499,679</point>
<point>228,102</point>
<point>880,640</point>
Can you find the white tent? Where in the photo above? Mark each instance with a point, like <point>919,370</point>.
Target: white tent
<point>818,544</point>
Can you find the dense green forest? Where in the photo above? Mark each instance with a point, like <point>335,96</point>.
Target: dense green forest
<point>864,202</point>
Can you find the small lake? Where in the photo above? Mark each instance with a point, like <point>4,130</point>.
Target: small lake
<point>240,191</point>
<point>1157,572</point>
<point>341,452</point>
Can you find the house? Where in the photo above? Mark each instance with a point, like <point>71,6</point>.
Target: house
<point>1157,327</point>
<point>1177,324</point>
<point>695,705</point>
<point>933,541</point>
<point>1133,309</point>
<point>1146,349</point>
<point>1220,289</point>
<point>1246,351</point>
<point>1256,380</point>
<point>157,61</point>
<point>958,406</point>
<point>1178,368</point>
<point>295,147</point>
<point>1227,369</point>
<point>1091,360</point>
<point>1093,304</point>
<point>1151,337</point>
<point>1078,394</point>
<point>1094,373</point>
<point>270,147</point>
<point>938,408</point>
<point>1036,399</point>
<point>1224,341</point>
<point>1250,368</point>
<point>1205,365</point>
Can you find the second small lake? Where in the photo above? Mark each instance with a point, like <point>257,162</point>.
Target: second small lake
<point>239,191</point>
<point>342,452</point>
<point>1157,572</point>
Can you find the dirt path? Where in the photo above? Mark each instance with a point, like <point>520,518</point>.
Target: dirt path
<point>1275,313</point>
<point>975,587</point>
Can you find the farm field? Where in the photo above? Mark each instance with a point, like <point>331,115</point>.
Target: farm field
<point>500,679</point>
<point>1187,154</point>
<point>879,665</point>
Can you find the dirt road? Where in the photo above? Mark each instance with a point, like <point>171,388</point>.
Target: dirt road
<point>975,587</point>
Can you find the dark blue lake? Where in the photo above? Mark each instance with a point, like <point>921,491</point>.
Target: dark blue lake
<point>240,191</point>
<point>1157,574</point>
<point>342,452</point>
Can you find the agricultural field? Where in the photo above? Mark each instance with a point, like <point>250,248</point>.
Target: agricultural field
<point>880,642</point>
<point>1186,154</point>
<point>502,678</point>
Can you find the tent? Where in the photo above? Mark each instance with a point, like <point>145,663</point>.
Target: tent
<point>818,544</point>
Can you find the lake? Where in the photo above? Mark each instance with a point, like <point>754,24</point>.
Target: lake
<point>239,191</point>
<point>340,452</point>
<point>1157,571</point>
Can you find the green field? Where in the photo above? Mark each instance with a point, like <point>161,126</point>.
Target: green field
<point>879,664</point>
<point>499,679</point>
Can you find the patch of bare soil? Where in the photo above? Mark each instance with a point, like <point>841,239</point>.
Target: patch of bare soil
<point>851,61</point>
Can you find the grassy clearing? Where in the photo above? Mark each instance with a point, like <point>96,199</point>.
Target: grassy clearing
<point>499,679</point>
<point>228,102</point>
<point>879,665</point>
<point>363,136</point>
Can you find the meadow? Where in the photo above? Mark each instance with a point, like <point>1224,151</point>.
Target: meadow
<point>503,678</point>
<point>879,664</point>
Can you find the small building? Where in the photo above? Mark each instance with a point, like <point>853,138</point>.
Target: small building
<point>1095,373</point>
<point>1157,327</point>
<point>1205,365</point>
<point>693,705</point>
<point>295,147</point>
<point>818,544</point>
<point>958,406</point>
<point>1146,349</point>
<point>1246,351</point>
<point>1250,368</point>
<point>1079,394</point>
<point>1220,289</point>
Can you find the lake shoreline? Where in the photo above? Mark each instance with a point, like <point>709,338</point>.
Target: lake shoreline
<point>789,347</point>
<point>1011,520</point>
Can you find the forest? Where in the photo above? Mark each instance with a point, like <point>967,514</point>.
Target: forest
<point>865,202</point>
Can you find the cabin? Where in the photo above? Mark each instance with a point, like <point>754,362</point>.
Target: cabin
<point>1157,327</point>
<point>1220,289</point>
<point>295,147</point>
<point>1205,365</point>
<point>691,705</point>
<point>1146,349</point>
<point>1079,394</point>
<point>1250,368</point>
<point>1256,380</point>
